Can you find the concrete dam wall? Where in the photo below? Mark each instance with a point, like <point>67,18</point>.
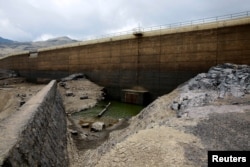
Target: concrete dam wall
<point>157,61</point>
<point>36,134</point>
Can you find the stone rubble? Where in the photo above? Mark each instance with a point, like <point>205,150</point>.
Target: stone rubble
<point>227,79</point>
<point>97,126</point>
<point>221,81</point>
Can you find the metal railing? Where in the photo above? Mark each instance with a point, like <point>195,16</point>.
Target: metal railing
<point>174,25</point>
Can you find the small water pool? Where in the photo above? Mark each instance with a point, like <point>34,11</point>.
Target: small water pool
<point>114,112</point>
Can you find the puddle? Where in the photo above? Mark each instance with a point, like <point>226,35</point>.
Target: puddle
<point>117,110</point>
<point>87,139</point>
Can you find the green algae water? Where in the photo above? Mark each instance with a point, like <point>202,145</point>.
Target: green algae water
<point>115,111</point>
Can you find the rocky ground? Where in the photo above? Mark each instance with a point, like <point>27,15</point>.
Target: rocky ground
<point>14,92</point>
<point>79,93</point>
<point>209,112</point>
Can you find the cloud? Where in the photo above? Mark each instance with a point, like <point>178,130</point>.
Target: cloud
<point>12,31</point>
<point>32,19</point>
<point>44,37</point>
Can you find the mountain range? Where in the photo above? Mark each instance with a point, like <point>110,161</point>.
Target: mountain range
<point>8,46</point>
<point>5,41</point>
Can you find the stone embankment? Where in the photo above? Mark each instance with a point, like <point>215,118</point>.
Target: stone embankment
<point>35,135</point>
<point>209,112</point>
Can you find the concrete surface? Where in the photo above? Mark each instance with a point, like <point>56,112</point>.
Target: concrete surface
<point>156,62</point>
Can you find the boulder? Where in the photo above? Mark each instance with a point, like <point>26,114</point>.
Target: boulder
<point>236,91</point>
<point>84,97</point>
<point>85,125</point>
<point>62,84</point>
<point>175,106</point>
<point>97,126</point>
<point>73,77</point>
<point>184,102</point>
<point>84,136</point>
<point>69,93</point>
<point>21,103</point>
<point>206,83</point>
<point>23,95</point>
<point>74,132</point>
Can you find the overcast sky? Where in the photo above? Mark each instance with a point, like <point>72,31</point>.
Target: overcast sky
<point>32,20</point>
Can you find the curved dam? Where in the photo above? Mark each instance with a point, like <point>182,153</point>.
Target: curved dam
<point>155,61</point>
